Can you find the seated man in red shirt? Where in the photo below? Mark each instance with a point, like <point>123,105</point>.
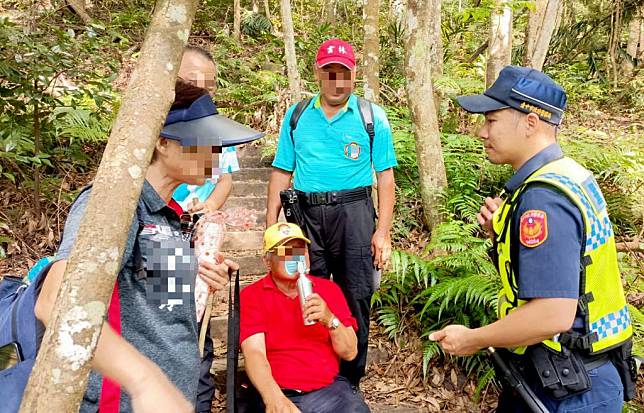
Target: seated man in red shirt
<point>294,366</point>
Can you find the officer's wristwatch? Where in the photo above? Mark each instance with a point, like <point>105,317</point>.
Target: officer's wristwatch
<point>334,323</point>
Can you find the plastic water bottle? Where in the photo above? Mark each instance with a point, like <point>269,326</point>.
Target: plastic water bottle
<point>304,289</point>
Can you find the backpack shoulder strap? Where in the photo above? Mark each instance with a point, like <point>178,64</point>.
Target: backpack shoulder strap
<point>366,113</point>
<point>297,114</point>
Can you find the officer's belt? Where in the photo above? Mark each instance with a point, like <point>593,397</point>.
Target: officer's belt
<point>334,197</point>
<point>592,362</point>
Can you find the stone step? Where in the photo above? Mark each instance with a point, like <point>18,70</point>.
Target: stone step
<point>251,263</point>
<point>255,162</point>
<point>249,150</point>
<point>252,174</point>
<point>249,202</point>
<point>243,240</point>
<point>249,188</point>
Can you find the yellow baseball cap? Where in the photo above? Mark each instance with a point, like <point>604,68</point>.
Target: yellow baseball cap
<point>280,233</point>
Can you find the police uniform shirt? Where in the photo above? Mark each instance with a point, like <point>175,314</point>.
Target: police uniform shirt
<point>334,155</point>
<point>157,310</point>
<point>547,250</point>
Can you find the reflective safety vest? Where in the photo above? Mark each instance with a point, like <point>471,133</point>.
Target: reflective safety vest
<point>602,304</point>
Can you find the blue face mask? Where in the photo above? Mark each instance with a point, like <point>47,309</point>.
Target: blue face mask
<point>291,264</point>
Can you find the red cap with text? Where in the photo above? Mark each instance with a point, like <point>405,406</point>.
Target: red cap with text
<point>336,51</point>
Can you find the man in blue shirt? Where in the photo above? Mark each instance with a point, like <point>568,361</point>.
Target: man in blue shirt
<point>555,252</point>
<point>331,160</point>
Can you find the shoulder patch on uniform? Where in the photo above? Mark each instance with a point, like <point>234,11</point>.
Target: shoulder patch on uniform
<point>533,228</point>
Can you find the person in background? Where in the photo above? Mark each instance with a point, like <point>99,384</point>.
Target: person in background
<point>331,158</point>
<point>198,67</point>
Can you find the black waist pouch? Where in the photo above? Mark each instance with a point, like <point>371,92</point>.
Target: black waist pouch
<point>623,360</point>
<point>562,375</point>
<point>291,206</point>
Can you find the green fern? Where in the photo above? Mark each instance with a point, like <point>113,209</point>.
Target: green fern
<point>637,320</point>
<point>471,291</point>
<point>82,124</point>
<point>431,349</point>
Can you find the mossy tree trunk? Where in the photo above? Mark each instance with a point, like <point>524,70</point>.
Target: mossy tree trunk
<point>371,58</point>
<point>420,96</point>
<point>500,44</point>
<point>289,51</point>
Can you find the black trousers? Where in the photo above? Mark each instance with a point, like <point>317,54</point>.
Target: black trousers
<point>206,386</point>
<point>340,237</point>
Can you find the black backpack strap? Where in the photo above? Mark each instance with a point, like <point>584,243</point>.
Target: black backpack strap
<point>232,356</point>
<point>366,113</point>
<point>297,114</point>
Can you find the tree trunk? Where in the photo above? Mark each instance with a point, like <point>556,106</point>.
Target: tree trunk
<point>289,51</point>
<point>613,40</point>
<point>500,47</point>
<point>329,11</point>
<point>436,40</point>
<point>535,19</point>
<point>237,19</point>
<point>436,49</point>
<point>371,50</point>
<point>635,44</point>
<point>59,377</point>
<point>79,8</point>
<point>267,10</point>
<point>418,70</point>
<point>541,26</point>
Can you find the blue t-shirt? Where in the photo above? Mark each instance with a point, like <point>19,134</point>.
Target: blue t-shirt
<point>334,155</point>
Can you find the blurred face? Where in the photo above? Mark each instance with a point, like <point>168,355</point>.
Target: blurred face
<point>283,260</point>
<point>503,136</point>
<point>188,164</point>
<point>198,70</point>
<point>336,82</point>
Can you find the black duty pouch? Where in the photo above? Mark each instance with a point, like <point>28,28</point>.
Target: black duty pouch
<point>562,375</point>
<point>292,207</point>
<point>624,361</point>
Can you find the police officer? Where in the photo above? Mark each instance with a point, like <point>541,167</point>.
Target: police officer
<point>149,344</point>
<point>330,155</point>
<point>562,311</point>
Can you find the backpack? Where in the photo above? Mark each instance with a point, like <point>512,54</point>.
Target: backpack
<point>366,114</point>
<point>20,327</point>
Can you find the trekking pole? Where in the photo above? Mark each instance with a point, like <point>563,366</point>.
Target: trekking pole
<point>512,377</point>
